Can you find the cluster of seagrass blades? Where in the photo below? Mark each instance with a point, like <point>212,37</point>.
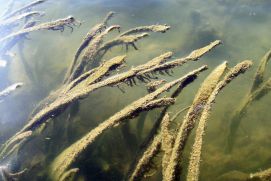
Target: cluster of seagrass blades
<point>260,88</point>
<point>16,23</point>
<point>89,72</point>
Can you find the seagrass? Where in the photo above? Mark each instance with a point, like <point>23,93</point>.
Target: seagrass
<point>194,163</point>
<point>173,170</point>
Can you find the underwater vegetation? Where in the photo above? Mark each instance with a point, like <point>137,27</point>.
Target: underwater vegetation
<point>160,154</point>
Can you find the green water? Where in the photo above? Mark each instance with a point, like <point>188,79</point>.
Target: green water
<point>244,28</point>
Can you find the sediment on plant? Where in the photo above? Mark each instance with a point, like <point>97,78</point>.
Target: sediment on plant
<point>259,89</point>
<point>195,158</point>
<point>173,170</point>
<point>150,147</point>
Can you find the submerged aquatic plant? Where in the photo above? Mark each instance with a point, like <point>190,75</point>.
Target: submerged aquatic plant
<point>194,112</point>
<point>194,164</point>
<point>261,175</point>
<point>81,81</point>
<point>86,40</point>
<point>258,90</point>
<point>16,26</point>
<point>89,71</point>
<point>152,144</point>
<point>7,91</point>
<point>148,102</point>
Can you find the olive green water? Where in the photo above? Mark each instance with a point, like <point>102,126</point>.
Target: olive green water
<point>243,26</point>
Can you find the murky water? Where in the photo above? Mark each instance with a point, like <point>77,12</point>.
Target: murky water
<point>243,27</point>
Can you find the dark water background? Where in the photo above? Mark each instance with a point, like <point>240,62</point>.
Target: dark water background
<point>243,26</point>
